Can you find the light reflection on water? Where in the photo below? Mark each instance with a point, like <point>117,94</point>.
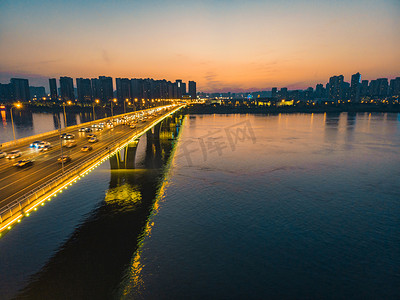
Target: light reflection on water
<point>78,245</point>
<point>306,208</point>
<point>30,123</point>
<point>310,210</point>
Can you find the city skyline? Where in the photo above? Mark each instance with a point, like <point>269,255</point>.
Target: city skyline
<point>240,47</point>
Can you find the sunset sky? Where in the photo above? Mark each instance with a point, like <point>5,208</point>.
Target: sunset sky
<point>222,45</point>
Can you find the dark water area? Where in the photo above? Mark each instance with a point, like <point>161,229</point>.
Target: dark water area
<point>278,207</point>
<point>287,206</point>
<point>79,245</point>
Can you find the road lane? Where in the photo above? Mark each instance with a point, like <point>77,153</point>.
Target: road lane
<point>17,182</point>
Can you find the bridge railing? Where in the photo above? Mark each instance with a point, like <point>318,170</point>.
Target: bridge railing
<point>73,127</point>
<point>17,206</point>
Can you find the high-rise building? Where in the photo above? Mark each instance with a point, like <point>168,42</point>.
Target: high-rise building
<point>336,87</point>
<point>5,92</point>
<point>95,83</point>
<point>319,91</point>
<point>373,88</point>
<point>308,94</point>
<point>283,93</point>
<point>19,89</point>
<point>84,89</point>
<point>67,89</point>
<point>137,89</point>
<point>53,89</point>
<point>37,92</point>
<point>355,87</point>
<point>183,88</point>
<point>178,83</point>
<point>192,89</point>
<point>123,89</point>
<point>395,87</point>
<point>383,87</point>
<point>106,88</point>
<point>274,92</point>
<point>364,88</point>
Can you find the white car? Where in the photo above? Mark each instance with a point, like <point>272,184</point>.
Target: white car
<point>45,148</point>
<point>70,144</point>
<point>43,144</point>
<point>14,154</point>
<point>93,140</point>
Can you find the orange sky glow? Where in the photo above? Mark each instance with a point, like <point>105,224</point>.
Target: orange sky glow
<point>222,45</point>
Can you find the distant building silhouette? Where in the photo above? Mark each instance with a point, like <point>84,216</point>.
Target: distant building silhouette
<point>124,89</point>
<point>364,88</point>
<point>383,87</point>
<point>274,92</point>
<point>19,89</point>
<point>106,88</point>
<point>336,87</point>
<point>53,89</point>
<point>183,89</point>
<point>192,89</point>
<point>84,89</point>
<point>395,87</point>
<point>178,88</point>
<point>67,89</point>
<point>37,92</point>
<point>355,87</point>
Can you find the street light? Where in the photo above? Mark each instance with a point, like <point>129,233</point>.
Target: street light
<point>93,104</point>
<point>126,100</point>
<point>112,110</point>
<point>17,105</point>
<point>65,116</point>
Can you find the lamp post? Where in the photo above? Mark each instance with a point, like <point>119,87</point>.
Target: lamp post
<point>61,145</point>
<point>94,114</point>
<point>112,110</point>
<point>17,105</point>
<point>65,115</point>
<point>126,100</point>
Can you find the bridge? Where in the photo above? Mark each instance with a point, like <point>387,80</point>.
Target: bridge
<point>22,190</point>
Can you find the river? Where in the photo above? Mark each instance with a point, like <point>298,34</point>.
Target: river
<point>288,206</point>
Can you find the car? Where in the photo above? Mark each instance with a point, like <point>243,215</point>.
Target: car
<point>133,126</point>
<point>14,154</point>
<point>93,140</point>
<point>2,154</point>
<point>62,135</point>
<point>23,163</point>
<point>69,136</point>
<point>98,129</point>
<point>70,144</point>
<point>88,129</point>
<point>86,148</point>
<point>43,144</point>
<point>90,135</point>
<point>82,129</point>
<point>45,148</point>
<point>35,144</point>
<point>64,159</point>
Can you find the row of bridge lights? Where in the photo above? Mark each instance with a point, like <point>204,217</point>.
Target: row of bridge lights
<point>42,203</point>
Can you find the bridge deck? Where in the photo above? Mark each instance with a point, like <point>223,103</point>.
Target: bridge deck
<point>15,183</point>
